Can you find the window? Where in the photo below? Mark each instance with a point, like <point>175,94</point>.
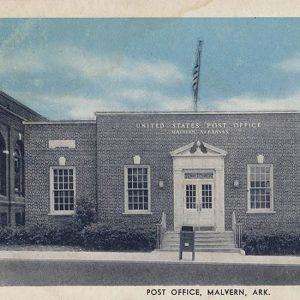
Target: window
<point>20,218</point>
<point>3,219</point>
<point>19,168</point>
<point>2,166</point>
<point>62,183</point>
<point>137,189</point>
<point>260,188</point>
<point>206,195</point>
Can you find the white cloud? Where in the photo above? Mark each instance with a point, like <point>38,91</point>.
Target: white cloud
<point>14,40</point>
<point>128,100</point>
<point>290,65</point>
<point>141,70</point>
<point>154,100</point>
<point>72,106</point>
<point>15,59</point>
<point>248,103</point>
<point>28,62</point>
<point>117,67</point>
<point>84,64</point>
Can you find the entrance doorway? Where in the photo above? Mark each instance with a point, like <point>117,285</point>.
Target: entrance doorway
<point>199,203</point>
<point>198,179</point>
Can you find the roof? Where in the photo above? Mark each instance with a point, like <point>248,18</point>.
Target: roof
<point>61,122</point>
<point>197,112</point>
<point>18,109</point>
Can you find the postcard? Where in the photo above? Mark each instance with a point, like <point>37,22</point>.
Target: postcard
<point>149,155</point>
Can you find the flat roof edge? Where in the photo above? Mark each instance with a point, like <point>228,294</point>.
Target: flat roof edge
<point>196,112</point>
<point>59,122</point>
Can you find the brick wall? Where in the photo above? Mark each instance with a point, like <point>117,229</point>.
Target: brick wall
<point>10,128</point>
<point>39,159</point>
<point>12,114</point>
<point>103,149</point>
<point>277,138</point>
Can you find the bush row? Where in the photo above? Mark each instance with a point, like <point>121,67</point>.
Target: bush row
<point>96,236</point>
<point>271,242</point>
<point>83,231</point>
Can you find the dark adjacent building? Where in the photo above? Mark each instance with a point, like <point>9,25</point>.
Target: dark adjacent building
<point>12,180</point>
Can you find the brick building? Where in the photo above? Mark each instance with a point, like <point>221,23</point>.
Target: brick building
<point>12,188</point>
<point>199,168</point>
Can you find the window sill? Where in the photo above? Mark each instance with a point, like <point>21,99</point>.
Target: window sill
<point>61,213</point>
<point>19,198</point>
<point>137,213</point>
<point>3,197</point>
<point>261,212</point>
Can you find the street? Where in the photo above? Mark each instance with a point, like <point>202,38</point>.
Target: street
<point>54,272</point>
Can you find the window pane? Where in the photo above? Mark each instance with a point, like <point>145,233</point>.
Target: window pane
<point>206,196</point>
<point>63,189</point>
<point>260,182</point>
<point>137,188</point>
<point>190,198</point>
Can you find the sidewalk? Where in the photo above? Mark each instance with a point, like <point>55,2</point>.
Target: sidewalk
<point>155,256</point>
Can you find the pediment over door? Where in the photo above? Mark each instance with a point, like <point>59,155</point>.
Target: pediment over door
<point>196,149</point>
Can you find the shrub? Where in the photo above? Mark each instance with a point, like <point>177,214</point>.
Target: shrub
<point>85,214</point>
<point>271,241</point>
<point>6,235</point>
<point>48,234</point>
<point>118,237</point>
<point>43,234</point>
<point>96,236</point>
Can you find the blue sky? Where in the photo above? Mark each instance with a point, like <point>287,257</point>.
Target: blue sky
<point>70,68</point>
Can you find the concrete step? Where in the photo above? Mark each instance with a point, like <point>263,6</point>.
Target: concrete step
<point>205,241</point>
<point>219,240</point>
<point>219,250</point>
<point>197,247</point>
<point>204,234</point>
<point>225,245</point>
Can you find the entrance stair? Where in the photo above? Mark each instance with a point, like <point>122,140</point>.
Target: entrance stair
<point>205,241</point>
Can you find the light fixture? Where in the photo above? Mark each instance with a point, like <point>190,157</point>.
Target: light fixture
<point>236,183</point>
<point>161,183</point>
<point>260,159</point>
<point>136,159</point>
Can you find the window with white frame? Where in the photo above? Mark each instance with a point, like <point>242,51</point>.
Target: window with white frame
<point>137,189</point>
<point>260,188</point>
<point>62,182</point>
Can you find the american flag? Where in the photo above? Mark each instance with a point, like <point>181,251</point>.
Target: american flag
<point>196,74</point>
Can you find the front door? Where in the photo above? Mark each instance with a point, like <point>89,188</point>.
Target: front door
<point>198,203</point>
